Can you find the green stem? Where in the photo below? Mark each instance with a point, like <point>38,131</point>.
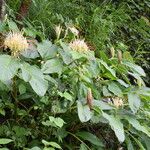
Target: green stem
<point>78,139</point>
<point>14,94</point>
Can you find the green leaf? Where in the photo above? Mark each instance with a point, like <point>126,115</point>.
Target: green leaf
<point>84,112</point>
<point>31,52</point>
<point>139,143</point>
<point>59,122</point>
<point>102,105</point>
<point>135,123</point>
<point>52,66</point>
<point>35,77</point>
<point>123,83</point>
<point>55,145</point>
<point>8,67</point>
<point>90,137</point>
<point>134,101</point>
<point>66,95</point>
<point>22,89</point>
<point>127,56</point>
<point>35,148</point>
<point>106,92</point>
<point>13,26</point>
<point>47,49</point>
<point>65,53</point>
<point>114,88</point>
<point>129,144</point>
<point>136,68</point>
<point>83,147</point>
<point>116,125</point>
<point>110,70</point>
<point>5,141</point>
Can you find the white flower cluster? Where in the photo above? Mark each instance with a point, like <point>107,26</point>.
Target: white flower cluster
<point>79,45</point>
<point>16,43</point>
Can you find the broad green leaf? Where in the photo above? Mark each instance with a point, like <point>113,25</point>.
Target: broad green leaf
<point>22,88</point>
<point>137,76</point>
<point>65,53</point>
<point>116,125</point>
<point>8,67</point>
<point>127,56</point>
<point>110,70</point>
<point>106,92</point>
<point>59,122</point>
<point>84,112</point>
<point>144,91</point>
<point>135,123</point>
<point>35,77</point>
<point>139,143</point>
<point>90,137</point>
<point>4,149</point>
<point>5,141</point>
<point>147,141</point>
<point>83,147</point>
<point>114,88</point>
<point>66,95</point>
<point>55,145</point>
<point>12,26</point>
<point>52,66</point>
<point>35,148</point>
<point>76,55</point>
<point>129,144</point>
<point>67,59</point>
<point>134,101</point>
<point>136,68</point>
<point>31,52</point>
<point>55,122</point>
<point>47,49</point>
<point>102,105</point>
<point>123,83</point>
<point>94,68</point>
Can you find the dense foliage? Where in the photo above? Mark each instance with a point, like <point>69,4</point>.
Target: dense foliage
<point>59,91</point>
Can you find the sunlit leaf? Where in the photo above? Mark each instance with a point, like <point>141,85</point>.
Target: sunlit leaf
<point>90,137</point>
<point>47,49</point>
<point>5,141</point>
<point>114,88</point>
<point>116,125</point>
<point>135,123</point>
<point>8,67</point>
<point>84,112</point>
<point>134,101</point>
<point>135,67</point>
<point>35,77</point>
<point>52,66</point>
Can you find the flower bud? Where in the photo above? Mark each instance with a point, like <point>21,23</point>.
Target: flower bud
<point>119,56</point>
<point>58,30</point>
<point>89,98</point>
<point>112,52</point>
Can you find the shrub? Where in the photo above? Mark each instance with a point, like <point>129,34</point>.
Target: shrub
<point>57,97</point>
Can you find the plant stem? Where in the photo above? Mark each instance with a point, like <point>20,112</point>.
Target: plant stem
<point>14,94</point>
<point>78,139</point>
